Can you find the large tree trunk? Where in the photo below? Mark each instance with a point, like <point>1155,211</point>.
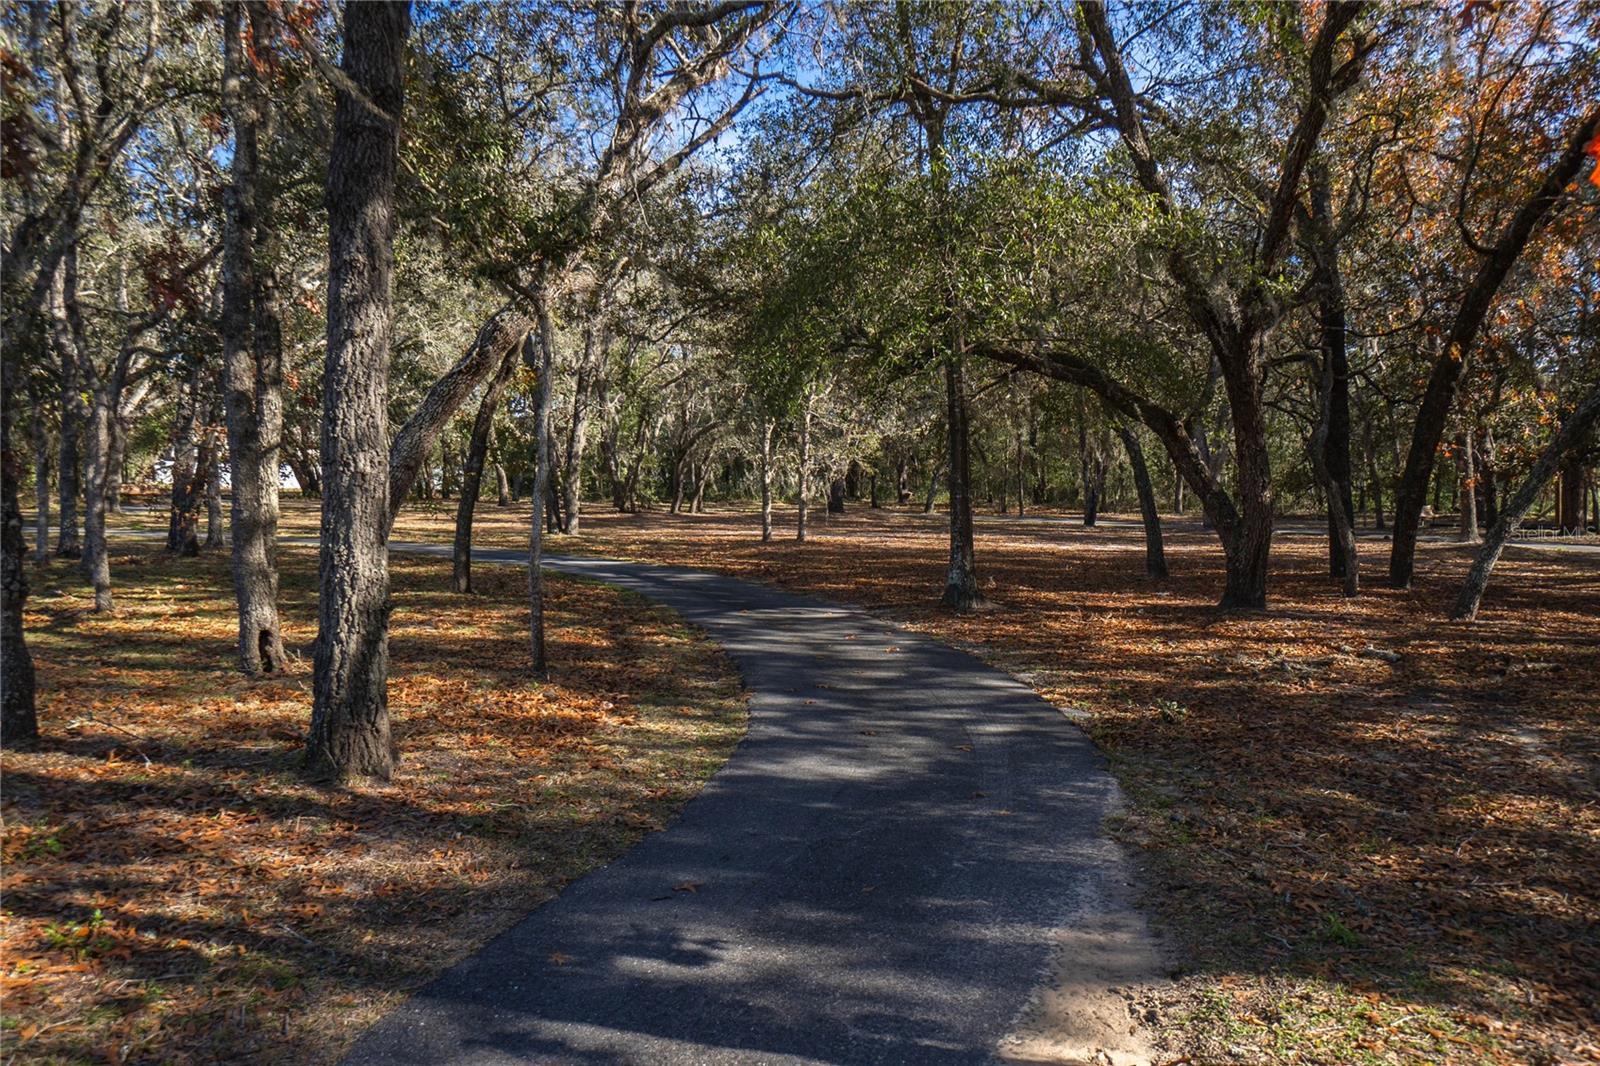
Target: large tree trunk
<point>768,427</point>
<point>540,357</point>
<point>1570,438</point>
<point>1155,560</point>
<point>252,357</point>
<point>350,734</point>
<point>472,472</point>
<point>1249,546</point>
<point>18,718</point>
<point>961,576</point>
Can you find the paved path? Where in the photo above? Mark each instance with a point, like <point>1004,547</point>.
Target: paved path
<point>878,875</point>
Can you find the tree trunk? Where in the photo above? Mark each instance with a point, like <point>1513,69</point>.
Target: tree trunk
<point>18,718</point>
<point>41,478</point>
<point>188,482</point>
<point>1342,521</point>
<point>350,735</point>
<point>116,456</point>
<point>472,473</point>
<point>541,358</point>
<point>768,426</point>
<point>902,481</point>
<point>1249,547</point>
<point>837,489</point>
<point>1569,496</point>
<point>69,543</point>
<point>1469,489</point>
<point>252,359</point>
<point>1489,509</point>
<point>96,564</point>
<point>1336,449</point>
<point>803,471</point>
<point>1091,470</point>
<point>1155,560</point>
<point>933,487</point>
<point>961,576</point>
<point>1022,475</point>
<point>211,469</point>
<point>499,336</point>
<point>1570,438</point>
<point>502,486</point>
<point>872,490</point>
<point>702,475</point>
<point>678,479</point>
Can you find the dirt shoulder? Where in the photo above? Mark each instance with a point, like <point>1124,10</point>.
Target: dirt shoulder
<point>174,892</point>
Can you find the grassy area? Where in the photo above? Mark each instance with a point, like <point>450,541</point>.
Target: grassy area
<point>175,893</point>
<point>1353,859</point>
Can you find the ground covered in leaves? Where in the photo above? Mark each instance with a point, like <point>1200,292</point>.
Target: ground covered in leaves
<point>1370,835</point>
<point>174,892</point>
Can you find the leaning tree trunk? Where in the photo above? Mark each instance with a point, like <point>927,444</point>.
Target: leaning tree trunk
<point>1569,439</point>
<point>18,719</point>
<point>542,359</point>
<point>496,339</point>
<point>1155,560</point>
<point>472,472</point>
<point>961,576</point>
<point>768,426</point>
<point>350,734</point>
<point>252,363</point>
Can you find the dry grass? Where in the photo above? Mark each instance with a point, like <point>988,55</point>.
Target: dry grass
<point>1353,860</point>
<point>175,893</point>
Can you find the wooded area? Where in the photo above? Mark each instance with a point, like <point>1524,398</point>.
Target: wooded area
<point>1242,272</point>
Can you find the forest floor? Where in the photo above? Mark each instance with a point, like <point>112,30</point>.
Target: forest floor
<point>174,892</point>
<point>1369,835</point>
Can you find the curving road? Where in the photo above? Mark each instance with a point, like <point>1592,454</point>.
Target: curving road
<point>879,874</point>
